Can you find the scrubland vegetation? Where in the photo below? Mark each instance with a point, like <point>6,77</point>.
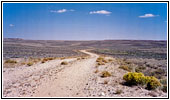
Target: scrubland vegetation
<point>134,78</point>
<point>122,66</point>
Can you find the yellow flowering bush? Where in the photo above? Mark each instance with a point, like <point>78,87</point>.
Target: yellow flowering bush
<point>134,78</point>
<point>153,83</point>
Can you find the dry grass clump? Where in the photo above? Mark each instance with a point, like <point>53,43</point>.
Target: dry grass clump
<point>101,61</point>
<point>43,61</point>
<point>78,58</point>
<point>23,63</point>
<point>96,71</point>
<point>11,61</point>
<point>105,74</point>
<point>64,63</point>
<point>118,91</point>
<point>47,59</point>
<point>110,60</point>
<point>30,63</point>
<point>125,67</point>
<point>62,58</point>
<point>105,61</point>
<point>83,57</point>
<point>105,82</point>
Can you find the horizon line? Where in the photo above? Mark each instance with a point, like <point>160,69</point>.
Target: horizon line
<point>90,40</point>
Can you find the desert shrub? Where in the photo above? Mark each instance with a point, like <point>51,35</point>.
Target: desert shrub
<point>164,88</point>
<point>62,58</point>
<point>163,81</point>
<point>118,91</point>
<point>64,63</point>
<point>134,78</point>
<point>83,57</point>
<point>10,61</point>
<point>100,63</point>
<point>105,82</point>
<point>42,61</point>
<point>30,63</point>
<point>153,83</point>
<point>96,71</point>
<point>140,69</point>
<point>99,59</point>
<point>105,74</point>
<point>50,58</point>
<point>110,60</point>
<point>126,67</point>
<point>105,61</point>
<point>45,59</point>
<point>78,58</point>
<point>158,73</point>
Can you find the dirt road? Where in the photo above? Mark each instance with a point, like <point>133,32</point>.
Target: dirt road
<point>50,78</point>
<point>70,81</point>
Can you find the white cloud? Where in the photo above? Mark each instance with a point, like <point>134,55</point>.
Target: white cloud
<point>61,11</point>
<point>11,25</point>
<point>148,16</point>
<point>101,12</point>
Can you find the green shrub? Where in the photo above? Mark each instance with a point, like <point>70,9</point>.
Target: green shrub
<point>105,74</point>
<point>164,88</point>
<point>163,81</point>
<point>134,78</point>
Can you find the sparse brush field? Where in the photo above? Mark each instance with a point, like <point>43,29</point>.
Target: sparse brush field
<point>109,68</point>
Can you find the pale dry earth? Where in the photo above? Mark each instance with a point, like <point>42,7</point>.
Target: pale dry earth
<point>77,79</point>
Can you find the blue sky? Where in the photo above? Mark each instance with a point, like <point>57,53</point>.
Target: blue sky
<point>85,21</point>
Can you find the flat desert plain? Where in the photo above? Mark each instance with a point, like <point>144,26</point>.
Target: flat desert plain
<point>105,68</point>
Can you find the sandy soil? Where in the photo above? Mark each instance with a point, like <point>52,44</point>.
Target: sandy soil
<point>77,79</point>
